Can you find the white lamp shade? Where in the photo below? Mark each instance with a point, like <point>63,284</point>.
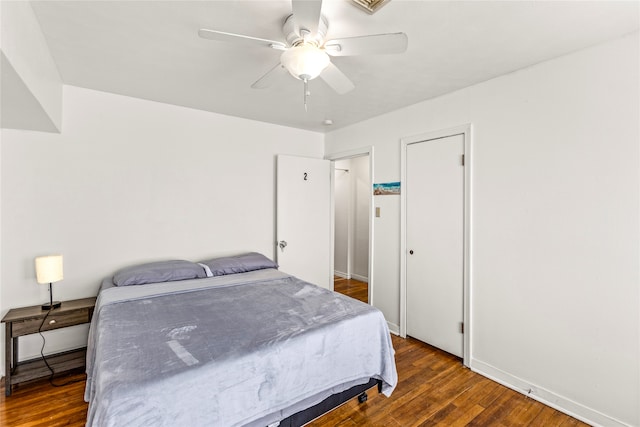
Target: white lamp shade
<point>49,268</point>
<point>304,61</point>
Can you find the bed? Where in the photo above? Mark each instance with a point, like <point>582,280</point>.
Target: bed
<point>233,346</point>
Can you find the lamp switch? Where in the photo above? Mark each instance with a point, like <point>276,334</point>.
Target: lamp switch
<point>377,212</point>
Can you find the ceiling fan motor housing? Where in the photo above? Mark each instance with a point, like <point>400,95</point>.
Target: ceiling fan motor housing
<point>296,35</point>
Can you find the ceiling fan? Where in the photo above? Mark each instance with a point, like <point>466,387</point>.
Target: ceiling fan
<point>306,53</point>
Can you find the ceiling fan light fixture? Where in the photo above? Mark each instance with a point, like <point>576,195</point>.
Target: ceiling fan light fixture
<point>305,61</point>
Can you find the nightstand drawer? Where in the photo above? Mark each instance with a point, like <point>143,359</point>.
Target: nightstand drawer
<point>53,321</point>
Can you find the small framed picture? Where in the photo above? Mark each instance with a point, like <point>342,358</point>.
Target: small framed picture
<point>386,189</point>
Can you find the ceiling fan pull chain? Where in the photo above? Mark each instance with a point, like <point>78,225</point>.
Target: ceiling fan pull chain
<point>306,93</point>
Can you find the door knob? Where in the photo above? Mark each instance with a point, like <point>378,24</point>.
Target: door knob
<point>282,244</point>
<point>411,252</point>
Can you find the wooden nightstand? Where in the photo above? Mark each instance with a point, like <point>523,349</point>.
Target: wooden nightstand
<point>27,320</point>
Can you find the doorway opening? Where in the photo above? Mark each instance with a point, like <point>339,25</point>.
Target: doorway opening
<point>353,224</point>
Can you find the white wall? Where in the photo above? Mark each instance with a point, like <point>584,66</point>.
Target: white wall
<point>362,189</point>
<point>32,87</point>
<point>555,224</point>
<point>130,180</point>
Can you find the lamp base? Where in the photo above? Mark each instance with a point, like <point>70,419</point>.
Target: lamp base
<point>51,306</point>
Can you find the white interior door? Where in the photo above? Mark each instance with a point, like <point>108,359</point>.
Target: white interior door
<point>435,242</point>
<point>304,219</point>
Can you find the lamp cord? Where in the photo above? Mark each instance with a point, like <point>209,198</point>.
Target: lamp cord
<point>44,359</point>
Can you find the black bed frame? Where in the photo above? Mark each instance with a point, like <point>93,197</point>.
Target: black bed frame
<point>301,418</point>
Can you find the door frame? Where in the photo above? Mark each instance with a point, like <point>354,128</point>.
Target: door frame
<point>349,220</point>
<point>464,130</point>
<point>344,155</point>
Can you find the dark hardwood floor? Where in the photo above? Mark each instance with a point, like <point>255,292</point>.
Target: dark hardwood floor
<point>351,287</point>
<point>434,389</point>
<point>38,404</point>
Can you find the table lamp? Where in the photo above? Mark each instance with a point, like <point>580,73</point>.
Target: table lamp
<point>49,270</point>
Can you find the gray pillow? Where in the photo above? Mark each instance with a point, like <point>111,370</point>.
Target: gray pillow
<point>156,272</point>
<point>239,264</point>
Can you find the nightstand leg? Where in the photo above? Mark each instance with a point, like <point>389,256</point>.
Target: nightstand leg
<point>8,357</point>
<point>15,354</point>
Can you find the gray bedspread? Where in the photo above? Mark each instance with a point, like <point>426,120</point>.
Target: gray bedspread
<point>245,349</point>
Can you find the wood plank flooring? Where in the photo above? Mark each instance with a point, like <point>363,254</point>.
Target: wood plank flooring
<point>434,389</point>
<point>351,287</point>
<point>38,404</point>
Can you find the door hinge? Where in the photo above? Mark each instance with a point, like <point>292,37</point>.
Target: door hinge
<point>463,160</point>
<point>462,327</point>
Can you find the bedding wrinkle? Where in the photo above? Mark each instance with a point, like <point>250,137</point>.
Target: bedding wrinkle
<point>182,353</point>
<point>266,388</point>
<point>180,333</point>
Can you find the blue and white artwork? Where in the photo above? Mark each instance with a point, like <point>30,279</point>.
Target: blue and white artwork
<point>386,188</point>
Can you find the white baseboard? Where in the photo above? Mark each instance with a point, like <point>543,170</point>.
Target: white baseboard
<point>353,276</point>
<point>341,274</point>
<point>393,328</point>
<point>549,398</point>
<point>360,278</point>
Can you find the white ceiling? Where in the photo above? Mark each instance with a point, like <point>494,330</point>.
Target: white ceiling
<point>151,50</point>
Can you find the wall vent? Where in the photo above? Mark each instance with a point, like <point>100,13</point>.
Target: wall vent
<point>370,6</point>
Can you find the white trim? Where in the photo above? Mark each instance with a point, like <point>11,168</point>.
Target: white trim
<point>360,278</point>
<point>341,274</point>
<point>350,226</point>
<point>349,154</point>
<point>332,226</point>
<point>549,398</point>
<point>393,328</point>
<point>347,276</point>
<point>465,130</point>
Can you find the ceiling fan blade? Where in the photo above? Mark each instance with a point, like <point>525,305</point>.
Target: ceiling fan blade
<point>239,38</point>
<point>336,79</point>
<point>266,80</point>
<point>367,45</point>
<point>307,14</point>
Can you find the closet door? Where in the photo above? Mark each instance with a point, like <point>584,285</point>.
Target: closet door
<point>435,242</point>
